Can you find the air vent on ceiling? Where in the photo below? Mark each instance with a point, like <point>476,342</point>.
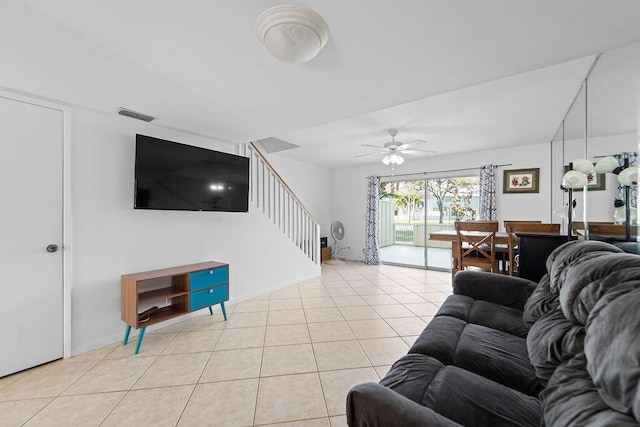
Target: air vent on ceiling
<point>135,115</point>
<point>273,145</point>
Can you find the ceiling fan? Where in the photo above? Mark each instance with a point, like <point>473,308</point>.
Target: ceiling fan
<point>393,148</point>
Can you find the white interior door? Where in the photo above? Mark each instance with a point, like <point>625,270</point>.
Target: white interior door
<point>31,223</point>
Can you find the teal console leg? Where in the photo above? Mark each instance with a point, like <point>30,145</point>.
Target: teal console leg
<point>127,331</point>
<point>140,336</point>
<point>210,310</point>
<point>224,312</point>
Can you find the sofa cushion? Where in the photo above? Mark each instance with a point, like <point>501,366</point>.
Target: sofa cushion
<point>459,395</point>
<point>494,354</point>
<point>473,400</point>
<point>440,338</point>
<point>571,399</point>
<point>484,313</point>
<point>508,291</point>
<point>374,405</point>
<point>411,375</point>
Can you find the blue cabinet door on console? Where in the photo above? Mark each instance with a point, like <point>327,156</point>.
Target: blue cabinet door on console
<point>209,297</point>
<point>207,278</point>
<point>209,287</point>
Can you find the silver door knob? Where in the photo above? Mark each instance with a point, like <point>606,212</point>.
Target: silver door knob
<point>52,248</point>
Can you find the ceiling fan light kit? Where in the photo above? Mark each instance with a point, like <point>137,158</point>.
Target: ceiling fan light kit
<point>393,158</point>
<point>292,34</point>
<point>393,148</point>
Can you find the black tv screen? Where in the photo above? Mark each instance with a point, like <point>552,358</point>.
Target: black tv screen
<point>173,176</point>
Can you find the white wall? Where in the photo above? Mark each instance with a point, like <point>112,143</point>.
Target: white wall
<point>310,183</point>
<point>109,238</point>
<point>349,187</point>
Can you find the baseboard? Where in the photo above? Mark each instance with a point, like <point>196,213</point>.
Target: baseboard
<point>118,337</point>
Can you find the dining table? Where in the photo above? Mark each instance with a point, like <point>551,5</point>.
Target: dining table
<point>549,242</point>
<point>501,240</point>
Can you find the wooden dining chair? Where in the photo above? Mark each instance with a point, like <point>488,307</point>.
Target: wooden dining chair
<point>508,221</point>
<point>475,245</point>
<point>578,226</point>
<point>530,227</point>
<point>502,250</point>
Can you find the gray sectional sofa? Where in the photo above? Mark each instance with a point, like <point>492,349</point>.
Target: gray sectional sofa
<point>504,351</point>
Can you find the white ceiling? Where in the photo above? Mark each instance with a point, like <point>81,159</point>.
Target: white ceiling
<point>461,74</point>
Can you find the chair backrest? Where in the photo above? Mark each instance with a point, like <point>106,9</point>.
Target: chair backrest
<point>531,227</point>
<point>507,221</point>
<point>580,225</point>
<point>476,239</point>
<point>617,229</point>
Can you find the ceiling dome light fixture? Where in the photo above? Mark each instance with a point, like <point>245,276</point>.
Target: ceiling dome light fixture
<point>292,34</point>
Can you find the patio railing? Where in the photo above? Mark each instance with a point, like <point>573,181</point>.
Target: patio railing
<point>414,234</point>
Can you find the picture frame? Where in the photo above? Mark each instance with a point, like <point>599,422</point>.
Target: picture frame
<point>521,181</point>
<point>595,181</point>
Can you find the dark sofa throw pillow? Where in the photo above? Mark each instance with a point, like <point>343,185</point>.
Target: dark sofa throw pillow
<point>540,302</point>
<point>587,281</point>
<point>612,347</point>
<point>569,254</point>
<point>571,399</point>
<point>557,334</point>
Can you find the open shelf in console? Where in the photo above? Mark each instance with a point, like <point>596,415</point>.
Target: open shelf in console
<point>162,288</point>
<point>165,313</point>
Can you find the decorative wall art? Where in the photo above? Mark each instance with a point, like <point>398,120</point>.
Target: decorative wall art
<point>521,181</point>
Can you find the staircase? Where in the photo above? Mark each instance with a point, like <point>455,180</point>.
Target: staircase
<point>270,194</point>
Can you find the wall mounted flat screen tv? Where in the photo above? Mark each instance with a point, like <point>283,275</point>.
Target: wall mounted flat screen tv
<point>174,176</point>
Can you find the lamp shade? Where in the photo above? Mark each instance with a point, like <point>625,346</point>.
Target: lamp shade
<point>292,34</point>
<point>574,179</point>
<point>628,176</point>
<point>606,165</point>
<point>583,165</point>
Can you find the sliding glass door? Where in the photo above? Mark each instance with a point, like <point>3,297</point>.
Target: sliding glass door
<point>403,223</point>
<point>411,210</point>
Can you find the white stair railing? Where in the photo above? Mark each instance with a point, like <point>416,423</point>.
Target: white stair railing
<point>269,193</point>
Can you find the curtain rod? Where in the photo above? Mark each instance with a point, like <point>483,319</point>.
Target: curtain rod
<point>442,171</point>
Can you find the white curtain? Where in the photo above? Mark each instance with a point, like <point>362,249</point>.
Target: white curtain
<point>488,209</point>
<point>372,250</point>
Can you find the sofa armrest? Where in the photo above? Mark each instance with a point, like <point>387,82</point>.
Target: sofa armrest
<point>505,290</point>
<point>371,405</point>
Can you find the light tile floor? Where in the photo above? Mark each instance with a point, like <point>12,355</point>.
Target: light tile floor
<point>285,358</point>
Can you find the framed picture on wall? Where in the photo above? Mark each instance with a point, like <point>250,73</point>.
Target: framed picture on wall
<point>521,181</point>
<point>595,181</point>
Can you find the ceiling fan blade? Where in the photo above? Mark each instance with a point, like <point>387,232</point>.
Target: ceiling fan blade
<point>369,145</point>
<point>418,152</point>
<point>414,142</point>
<point>371,154</point>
